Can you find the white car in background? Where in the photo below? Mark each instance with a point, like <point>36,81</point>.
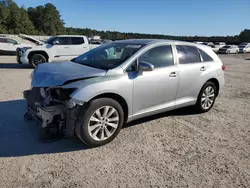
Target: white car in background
<point>229,49</point>
<point>244,47</point>
<point>218,45</point>
<point>9,46</point>
<point>56,48</point>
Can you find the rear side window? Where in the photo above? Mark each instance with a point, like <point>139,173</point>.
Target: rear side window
<point>188,54</point>
<point>3,40</point>
<point>205,56</point>
<point>160,56</point>
<point>77,40</point>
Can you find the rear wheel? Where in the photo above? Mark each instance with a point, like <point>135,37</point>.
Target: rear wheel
<point>37,59</point>
<point>99,122</point>
<point>206,97</point>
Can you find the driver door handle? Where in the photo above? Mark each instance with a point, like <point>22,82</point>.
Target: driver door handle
<point>173,74</point>
<point>203,68</point>
<point>66,47</point>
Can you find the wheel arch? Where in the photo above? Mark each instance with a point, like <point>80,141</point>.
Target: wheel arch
<point>117,98</point>
<point>38,52</point>
<point>216,83</point>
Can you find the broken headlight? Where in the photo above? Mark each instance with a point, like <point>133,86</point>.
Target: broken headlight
<point>61,94</point>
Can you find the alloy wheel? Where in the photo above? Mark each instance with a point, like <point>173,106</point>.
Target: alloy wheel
<point>38,59</point>
<point>103,123</point>
<point>207,97</point>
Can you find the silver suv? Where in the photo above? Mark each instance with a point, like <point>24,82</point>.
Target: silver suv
<point>94,94</point>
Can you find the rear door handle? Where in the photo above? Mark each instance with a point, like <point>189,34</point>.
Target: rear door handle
<point>66,47</point>
<point>203,68</point>
<point>173,74</point>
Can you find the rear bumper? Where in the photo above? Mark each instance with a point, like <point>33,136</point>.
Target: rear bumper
<point>4,52</point>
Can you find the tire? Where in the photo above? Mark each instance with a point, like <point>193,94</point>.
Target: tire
<point>83,130</point>
<point>37,59</point>
<point>200,100</point>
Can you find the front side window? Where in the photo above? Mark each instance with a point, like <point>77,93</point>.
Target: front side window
<point>63,40</point>
<point>108,56</point>
<point>205,56</point>
<point>77,40</point>
<point>188,54</point>
<point>160,56</point>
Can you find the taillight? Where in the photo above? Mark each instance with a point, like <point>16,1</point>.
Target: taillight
<point>223,67</point>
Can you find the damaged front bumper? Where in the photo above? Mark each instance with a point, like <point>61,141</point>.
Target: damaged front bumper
<point>57,119</point>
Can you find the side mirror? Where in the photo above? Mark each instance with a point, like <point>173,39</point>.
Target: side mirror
<point>55,42</point>
<point>145,66</point>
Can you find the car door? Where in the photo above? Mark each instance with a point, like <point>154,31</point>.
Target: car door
<point>195,68</point>
<point>232,49</point>
<point>155,91</point>
<point>78,46</point>
<point>61,49</point>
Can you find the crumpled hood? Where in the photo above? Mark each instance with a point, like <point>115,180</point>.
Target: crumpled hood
<point>56,74</point>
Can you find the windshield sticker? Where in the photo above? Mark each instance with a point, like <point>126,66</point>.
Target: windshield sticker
<point>133,46</point>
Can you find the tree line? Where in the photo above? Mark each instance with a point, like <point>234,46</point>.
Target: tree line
<point>46,20</point>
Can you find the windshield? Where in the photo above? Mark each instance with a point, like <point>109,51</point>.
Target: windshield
<point>242,46</point>
<point>108,56</point>
<point>50,40</point>
<point>226,47</point>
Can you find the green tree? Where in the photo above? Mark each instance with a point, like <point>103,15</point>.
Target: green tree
<point>27,26</point>
<point>245,35</point>
<point>4,14</point>
<point>13,21</point>
<point>47,19</point>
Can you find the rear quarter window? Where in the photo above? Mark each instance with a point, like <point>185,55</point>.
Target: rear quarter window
<point>205,56</point>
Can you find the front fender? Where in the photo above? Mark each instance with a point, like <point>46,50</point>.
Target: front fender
<point>92,87</point>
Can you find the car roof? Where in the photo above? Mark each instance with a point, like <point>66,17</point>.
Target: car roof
<point>151,41</point>
<point>69,36</point>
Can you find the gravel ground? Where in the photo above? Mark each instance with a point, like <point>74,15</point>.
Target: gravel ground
<point>175,149</point>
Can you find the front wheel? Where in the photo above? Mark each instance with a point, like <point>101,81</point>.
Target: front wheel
<point>37,59</point>
<point>99,122</point>
<point>206,97</point>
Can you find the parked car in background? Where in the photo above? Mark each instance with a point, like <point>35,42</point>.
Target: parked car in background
<point>208,44</point>
<point>229,49</point>
<point>56,48</point>
<point>218,45</point>
<point>95,94</point>
<point>244,48</point>
<point>9,46</point>
<point>198,42</point>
